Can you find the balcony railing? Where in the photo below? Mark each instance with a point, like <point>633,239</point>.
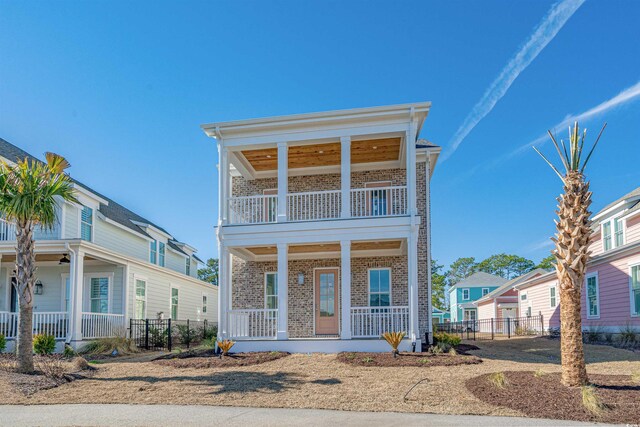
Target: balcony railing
<point>8,232</point>
<point>320,205</point>
<point>253,324</point>
<point>102,325</point>
<point>370,322</point>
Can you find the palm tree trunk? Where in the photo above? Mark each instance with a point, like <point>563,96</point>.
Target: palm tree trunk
<point>574,372</point>
<point>25,275</point>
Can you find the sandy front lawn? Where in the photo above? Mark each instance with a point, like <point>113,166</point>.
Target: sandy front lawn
<point>322,381</point>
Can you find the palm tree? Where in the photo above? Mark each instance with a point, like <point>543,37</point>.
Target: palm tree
<point>572,250</point>
<point>27,197</point>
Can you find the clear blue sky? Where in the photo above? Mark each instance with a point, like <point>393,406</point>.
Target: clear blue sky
<point>120,89</point>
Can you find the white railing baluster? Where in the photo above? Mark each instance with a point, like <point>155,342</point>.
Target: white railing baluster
<point>367,322</point>
<point>253,323</point>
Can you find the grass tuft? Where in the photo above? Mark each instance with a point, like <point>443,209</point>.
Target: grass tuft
<point>367,359</point>
<point>539,373</point>
<point>453,352</point>
<point>591,401</point>
<point>498,379</point>
<point>120,344</point>
<point>635,377</point>
<point>425,361</point>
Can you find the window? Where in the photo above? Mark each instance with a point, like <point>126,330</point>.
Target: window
<point>635,290</point>
<point>153,251</point>
<point>271,291</point>
<point>379,287</point>
<point>204,304</point>
<point>161,253</point>
<point>552,296</point>
<point>529,311</point>
<point>593,297</point>
<point>606,235</point>
<point>618,232</point>
<point>174,303</point>
<point>99,294</point>
<point>67,292</point>
<point>523,296</point>
<point>86,224</point>
<point>141,299</point>
<point>612,233</point>
<point>187,268</point>
<point>465,294</point>
<point>485,291</point>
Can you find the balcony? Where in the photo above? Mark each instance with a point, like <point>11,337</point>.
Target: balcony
<point>8,232</point>
<point>320,205</point>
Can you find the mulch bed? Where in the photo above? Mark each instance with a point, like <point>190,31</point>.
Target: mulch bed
<point>208,359</point>
<point>545,397</point>
<point>407,359</point>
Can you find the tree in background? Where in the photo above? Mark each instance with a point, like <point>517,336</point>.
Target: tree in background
<point>507,266</point>
<point>572,250</point>
<point>548,263</point>
<point>438,284</point>
<point>209,273</point>
<point>28,191</point>
<point>461,269</point>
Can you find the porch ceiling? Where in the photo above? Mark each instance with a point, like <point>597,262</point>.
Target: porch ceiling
<point>318,155</point>
<point>42,257</point>
<point>324,250</point>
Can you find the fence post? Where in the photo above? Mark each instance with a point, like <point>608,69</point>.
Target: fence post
<point>131,329</point>
<point>475,324</point>
<point>204,330</point>
<point>188,334</point>
<point>169,335</point>
<point>146,334</point>
<point>541,324</point>
<point>492,333</point>
<point>508,327</point>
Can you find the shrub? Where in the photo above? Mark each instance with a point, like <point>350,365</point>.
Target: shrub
<point>498,379</point>
<point>121,344</point>
<point>450,339</point>
<point>523,330</point>
<point>225,346</point>
<point>157,337</point>
<point>51,367</point>
<point>435,349</point>
<point>80,364</point>
<point>554,332</point>
<point>44,344</point>
<point>210,333</point>
<point>591,400</point>
<point>452,351</point>
<point>628,335</point>
<point>394,339</point>
<point>592,335</point>
<point>209,343</point>
<point>186,335</point>
<point>69,352</point>
<point>3,343</point>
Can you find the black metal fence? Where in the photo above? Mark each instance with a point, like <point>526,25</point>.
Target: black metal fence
<point>489,329</point>
<point>166,334</point>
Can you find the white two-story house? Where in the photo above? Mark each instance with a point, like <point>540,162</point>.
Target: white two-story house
<point>324,230</point>
<point>100,266</point>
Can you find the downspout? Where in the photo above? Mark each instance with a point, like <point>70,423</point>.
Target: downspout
<point>429,337</point>
<point>72,302</point>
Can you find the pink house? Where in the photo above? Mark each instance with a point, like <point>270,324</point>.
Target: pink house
<point>611,293</point>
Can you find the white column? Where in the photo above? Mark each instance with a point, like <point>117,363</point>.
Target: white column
<point>345,176</point>
<point>224,184</point>
<point>125,294</point>
<point>223,292</point>
<point>345,281</point>
<point>412,259</point>
<point>411,168</point>
<point>76,282</point>
<point>283,179</point>
<point>283,282</point>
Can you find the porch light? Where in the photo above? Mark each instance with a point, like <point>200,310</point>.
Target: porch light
<point>64,260</point>
<point>300,278</point>
<point>39,288</point>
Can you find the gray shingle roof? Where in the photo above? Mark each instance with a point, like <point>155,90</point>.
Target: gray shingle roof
<point>481,278</point>
<point>113,211</point>
<point>511,283</point>
<point>631,194</point>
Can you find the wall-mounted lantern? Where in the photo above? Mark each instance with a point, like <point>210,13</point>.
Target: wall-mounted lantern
<point>39,288</point>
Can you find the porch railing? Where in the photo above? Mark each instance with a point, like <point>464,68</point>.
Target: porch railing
<point>102,325</point>
<point>253,209</point>
<point>369,322</point>
<point>8,232</point>
<point>253,324</point>
<point>314,205</point>
<point>51,323</point>
<point>378,201</point>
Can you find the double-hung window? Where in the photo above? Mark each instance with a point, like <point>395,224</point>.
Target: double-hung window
<point>485,291</point>
<point>465,294</point>
<point>86,224</point>
<point>271,291</point>
<point>380,287</point>
<point>618,232</point>
<point>635,290</point>
<point>612,233</point>
<point>187,267</point>
<point>153,251</point>
<point>99,294</point>
<point>141,299</point>
<point>553,299</point>
<point>174,303</point>
<point>593,297</point>
<point>161,253</point>
<point>204,304</point>
<point>606,236</point>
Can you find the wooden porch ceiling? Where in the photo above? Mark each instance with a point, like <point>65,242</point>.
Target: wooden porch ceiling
<point>318,155</point>
<point>42,257</point>
<point>329,247</point>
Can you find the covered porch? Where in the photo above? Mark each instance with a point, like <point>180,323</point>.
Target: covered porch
<point>78,296</point>
<point>320,296</point>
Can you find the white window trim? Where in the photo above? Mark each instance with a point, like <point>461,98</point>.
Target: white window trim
<point>483,293</point>
<point>612,226</point>
<point>462,298</point>
<point>187,266</point>
<point>87,287</point>
<point>93,222</point>
<point>171,288</point>
<point>156,251</point>
<point>586,288</point>
<point>523,294</point>
<point>266,273</point>
<point>202,309</point>
<point>631,301</point>
<point>64,277</point>
<point>555,295</point>
<point>164,264</point>
<point>135,294</point>
<point>369,270</point>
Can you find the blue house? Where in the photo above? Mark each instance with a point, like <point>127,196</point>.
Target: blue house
<point>464,293</point>
<point>440,316</point>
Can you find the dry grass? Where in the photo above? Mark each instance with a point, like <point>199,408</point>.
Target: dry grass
<point>635,377</point>
<point>322,382</point>
<point>499,380</point>
<point>591,401</point>
<point>539,373</point>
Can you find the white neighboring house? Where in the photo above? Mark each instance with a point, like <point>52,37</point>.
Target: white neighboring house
<point>100,266</point>
<point>324,230</point>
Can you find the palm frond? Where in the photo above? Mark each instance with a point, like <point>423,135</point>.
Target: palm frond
<point>565,160</point>
<point>550,164</point>
<point>584,165</point>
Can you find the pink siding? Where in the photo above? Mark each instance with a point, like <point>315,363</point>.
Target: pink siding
<point>633,230</point>
<point>596,244</point>
<point>615,300</point>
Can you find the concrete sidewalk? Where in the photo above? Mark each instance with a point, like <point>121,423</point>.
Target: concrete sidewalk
<point>171,415</point>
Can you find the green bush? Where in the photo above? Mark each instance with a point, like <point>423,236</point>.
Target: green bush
<point>3,343</point>
<point>69,352</point>
<point>186,335</point>
<point>44,344</point>
<point>445,338</point>
<point>211,333</point>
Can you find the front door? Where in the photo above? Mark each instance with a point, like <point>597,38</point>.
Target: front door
<point>326,301</point>
<point>14,296</point>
